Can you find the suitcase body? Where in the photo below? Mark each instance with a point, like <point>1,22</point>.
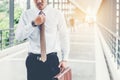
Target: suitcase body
<point>64,75</point>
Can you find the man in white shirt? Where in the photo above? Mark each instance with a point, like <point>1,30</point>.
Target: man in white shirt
<point>56,36</point>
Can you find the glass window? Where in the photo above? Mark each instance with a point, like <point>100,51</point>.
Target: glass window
<point>56,6</point>
<point>117,1</point>
<point>117,20</point>
<point>117,13</point>
<point>117,6</point>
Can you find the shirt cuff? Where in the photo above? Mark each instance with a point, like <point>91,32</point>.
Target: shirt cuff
<point>64,56</point>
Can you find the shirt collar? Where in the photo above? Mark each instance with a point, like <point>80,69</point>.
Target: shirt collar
<point>45,10</point>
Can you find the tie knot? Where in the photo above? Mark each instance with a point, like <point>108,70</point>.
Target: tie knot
<point>41,12</point>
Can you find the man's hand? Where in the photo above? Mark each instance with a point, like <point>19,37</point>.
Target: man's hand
<point>62,64</point>
<point>40,19</point>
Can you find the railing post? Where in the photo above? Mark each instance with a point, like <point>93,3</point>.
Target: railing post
<point>53,3</point>
<point>58,4</point>
<point>117,33</point>
<point>48,2</point>
<point>28,4</point>
<point>11,22</point>
<point>0,39</point>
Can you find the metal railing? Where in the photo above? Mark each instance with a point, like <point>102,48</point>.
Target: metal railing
<point>7,38</point>
<point>113,41</point>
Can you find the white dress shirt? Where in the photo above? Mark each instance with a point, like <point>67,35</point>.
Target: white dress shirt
<point>56,34</point>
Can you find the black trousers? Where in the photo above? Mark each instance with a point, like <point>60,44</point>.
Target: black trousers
<point>37,70</point>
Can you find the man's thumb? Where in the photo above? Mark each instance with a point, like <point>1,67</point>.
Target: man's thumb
<point>59,65</point>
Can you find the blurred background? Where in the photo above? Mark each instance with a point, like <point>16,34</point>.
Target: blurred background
<point>94,27</point>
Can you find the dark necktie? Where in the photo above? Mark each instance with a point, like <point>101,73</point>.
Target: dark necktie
<point>42,41</point>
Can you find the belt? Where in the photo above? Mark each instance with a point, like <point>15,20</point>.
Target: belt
<point>30,53</point>
<point>39,55</point>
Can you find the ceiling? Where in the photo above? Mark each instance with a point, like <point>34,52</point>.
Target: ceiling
<point>88,6</point>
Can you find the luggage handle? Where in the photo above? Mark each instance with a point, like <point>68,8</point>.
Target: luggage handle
<point>62,72</point>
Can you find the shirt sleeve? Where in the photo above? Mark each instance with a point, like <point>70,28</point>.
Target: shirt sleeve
<point>64,37</point>
<point>24,28</point>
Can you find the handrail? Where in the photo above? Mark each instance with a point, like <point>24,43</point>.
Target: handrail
<point>5,38</point>
<point>103,26</point>
<point>7,29</point>
<point>115,48</point>
<point>109,31</point>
